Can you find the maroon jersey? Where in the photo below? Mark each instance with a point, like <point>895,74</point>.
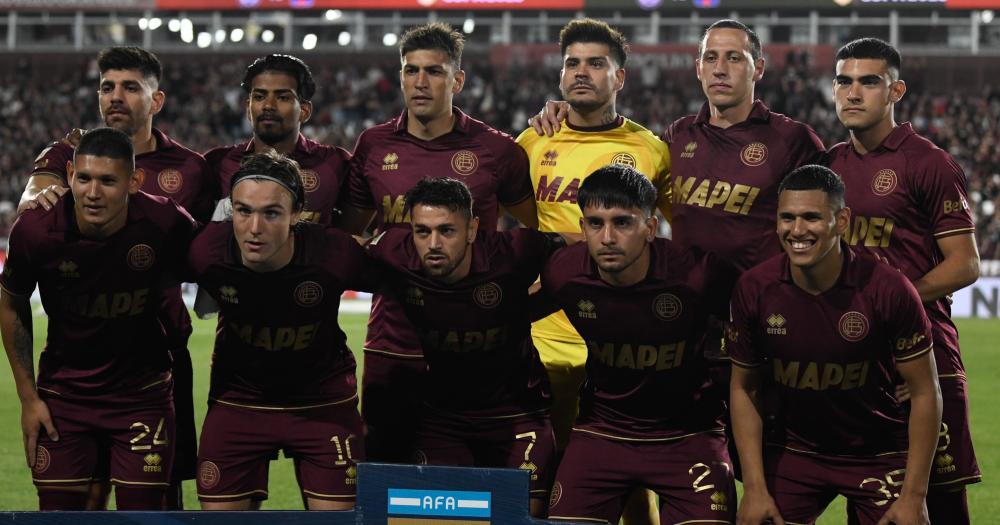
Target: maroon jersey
<point>388,161</point>
<point>904,196</point>
<point>476,333</point>
<point>644,378</point>
<point>171,170</point>
<point>323,168</point>
<point>101,296</point>
<point>725,194</point>
<point>831,355</point>
<point>278,343</point>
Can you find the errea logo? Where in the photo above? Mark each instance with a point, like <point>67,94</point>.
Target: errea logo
<point>587,309</point>
<point>390,162</point>
<point>776,325</point>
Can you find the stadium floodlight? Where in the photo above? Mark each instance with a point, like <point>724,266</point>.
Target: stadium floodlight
<point>309,41</point>
<point>344,38</point>
<point>155,23</point>
<point>174,25</point>
<point>469,25</point>
<point>236,34</point>
<point>333,14</point>
<point>267,36</point>
<point>204,39</point>
<point>187,30</point>
<point>986,16</point>
<point>143,24</point>
<point>220,35</point>
<point>390,39</point>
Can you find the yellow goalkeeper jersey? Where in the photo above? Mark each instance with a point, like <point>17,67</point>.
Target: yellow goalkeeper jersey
<point>558,166</point>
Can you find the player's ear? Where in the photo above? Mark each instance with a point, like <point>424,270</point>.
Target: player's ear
<point>896,91</point>
<point>620,78</point>
<point>135,180</point>
<point>843,220</point>
<point>652,222</point>
<point>305,111</point>
<point>159,98</point>
<point>473,229</point>
<point>758,69</point>
<point>459,82</point>
<point>69,170</point>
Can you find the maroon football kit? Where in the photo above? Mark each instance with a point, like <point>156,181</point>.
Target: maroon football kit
<point>904,196</point>
<point>487,393</point>
<point>106,365</point>
<point>388,162</point>
<point>833,355</point>
<point>173,171</point>
<point>648,393</point>
<point>725,195</point>
<point>282,375</point>
<point>323,169</point>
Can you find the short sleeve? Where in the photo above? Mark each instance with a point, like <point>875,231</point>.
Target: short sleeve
<point>943,195</point>
<point>52,161</point>
<point>807,149</point>
<point>19,273</point>
<point>358,189</point>
<point>907,323</point>
<point>514,176</point>
<point>740,344</point>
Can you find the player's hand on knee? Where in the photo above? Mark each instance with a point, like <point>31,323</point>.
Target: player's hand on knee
<point>907,511</point>
<point>548,121</point>
<point>34,416</point>
<point>757,508</point>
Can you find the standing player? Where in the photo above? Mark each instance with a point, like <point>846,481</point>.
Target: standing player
<point>828,329</point>
<point>129,95</point>
<point>430,138</point>
<point>100,257</point>
<point>910,207</point>
<point>280,90</point>
<point>648,415</point>
<point>466,293</point>
<point>593,73</point>
<point>282,375</point>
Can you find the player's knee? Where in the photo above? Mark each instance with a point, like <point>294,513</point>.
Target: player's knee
<point>140,498</point>
<point>63,498</point>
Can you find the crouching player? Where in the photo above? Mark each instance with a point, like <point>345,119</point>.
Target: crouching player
<point>828,328</point>
<point>466,293</point>
<point>648,415</point>
<point>101,257</point>
<point>282,375</point>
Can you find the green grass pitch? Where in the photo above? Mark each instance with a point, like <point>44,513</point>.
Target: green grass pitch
<point>982,360</point>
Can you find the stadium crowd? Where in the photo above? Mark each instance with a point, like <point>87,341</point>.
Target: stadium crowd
<point>209,112</point>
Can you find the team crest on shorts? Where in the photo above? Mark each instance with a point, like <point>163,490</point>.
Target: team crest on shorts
<point>667,306</point>
<point>310,180</point>
<point>625,159</point>
<point>464,162</point>
<point>170,180</point>
<point>487,295</point>
<point>853,326</point>
<point>208,475</point>
<point>140,257</point>
<point>308,293</point>
<point>884,182</point>
<point>754,154</point>
<point>42,460</point>
<point>556,494</point>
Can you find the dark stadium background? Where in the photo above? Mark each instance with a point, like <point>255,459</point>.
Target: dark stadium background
<point>951,51</point>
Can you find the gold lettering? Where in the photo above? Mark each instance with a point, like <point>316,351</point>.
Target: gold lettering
<point>852,376</point>
<point>700,194</point>
<point>887,233</point>
<point>810,378</point>
<point>495,338</point>
<point>450,343</point>
<point>646,357</point>
<point>752,196</point>
<point>787,376</point>
<point>263,338</point>
<point>737,198</point>
<point>604,353</point>
<point>304,336</point>
<point>139,301</point>
<point>284,337</point>
<point>392,210</point>
<point>100,307</point>
<point>473,341</point>
<point>625,358</point>
<point>670,356</point>
<point>120,303</point>
<point>719,194</point>
<point>682,188</point>
<point>874,237</point>
<point>833,374</point>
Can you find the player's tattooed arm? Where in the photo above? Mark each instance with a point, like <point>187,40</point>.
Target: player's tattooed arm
<point>15,325</point>
<point>757,506</point>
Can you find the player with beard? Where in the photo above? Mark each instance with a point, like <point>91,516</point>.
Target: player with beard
<point>282,375</point>
<point>826,331</point>
<point>129,95</point>
<point>430,138</point>
<point>280,90</point>
<point>102,402</point>
<point>911,207</point>
<point>466,293</point>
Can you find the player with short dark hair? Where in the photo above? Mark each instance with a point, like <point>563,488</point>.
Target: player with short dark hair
<point>282,375</point>
<point>100,257</point>
<point>465,292</point>
<point>824,330</point>
<point>431,137</point>
<point>279,92</point>
<point>910,206</point>
<point>648,415</point>
<point>129,95</point>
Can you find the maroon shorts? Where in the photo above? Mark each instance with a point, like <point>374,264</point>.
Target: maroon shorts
<point>693,475</point>
<point>802,484</point>
<point>133,443</point>
<point>955,462</point>
<point>524,442</point>
<point>391,403</point>
<point>238,443</point>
